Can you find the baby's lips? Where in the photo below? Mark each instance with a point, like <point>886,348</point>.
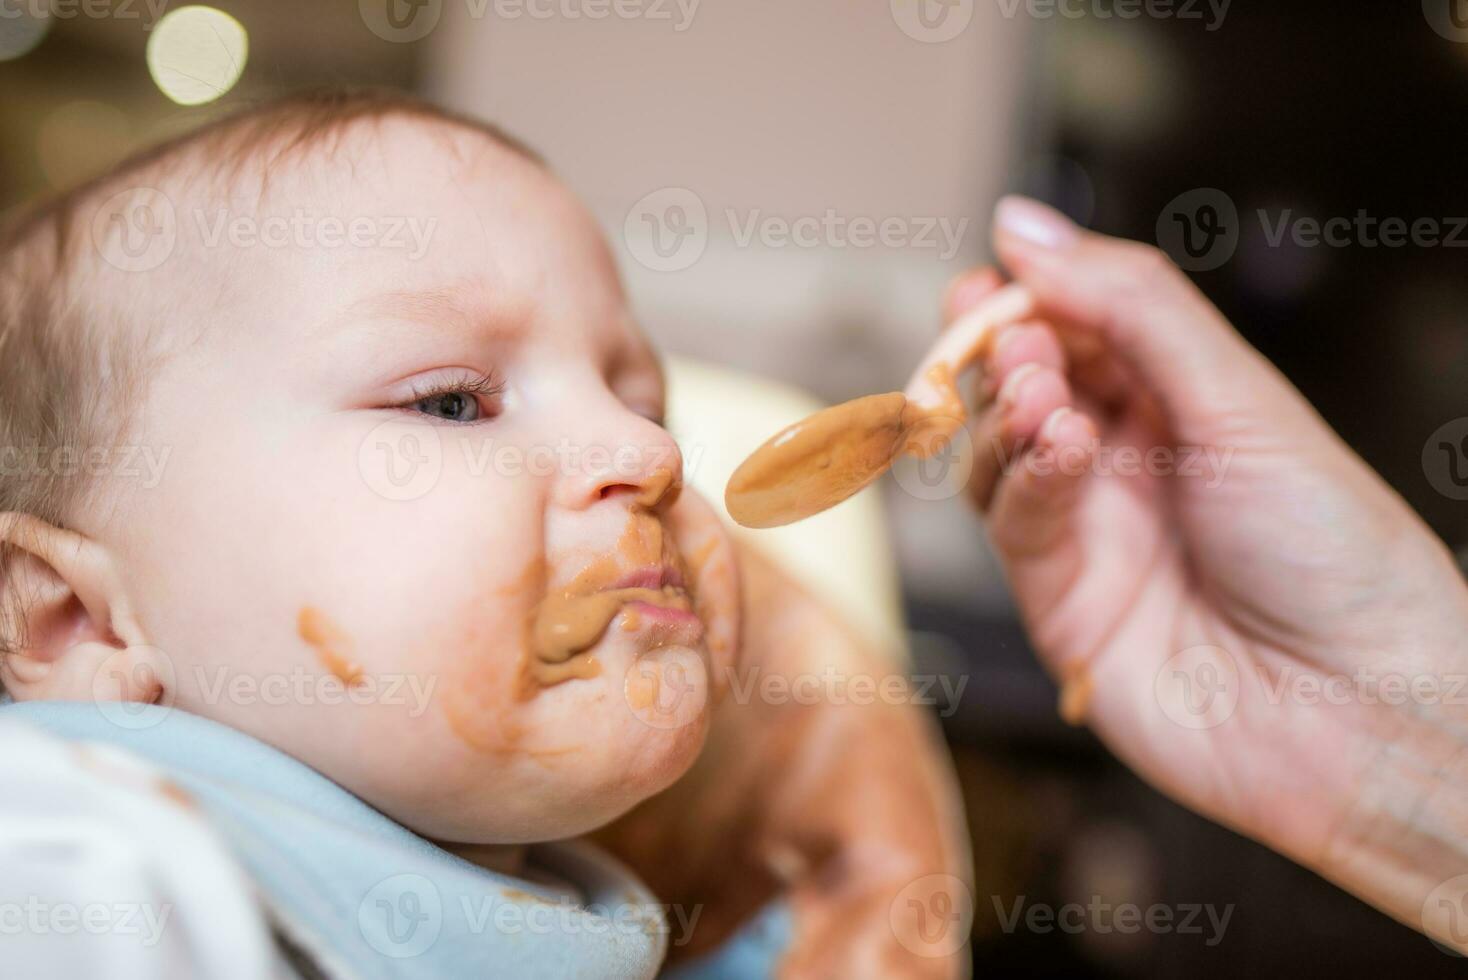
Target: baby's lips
<point>651,577</point>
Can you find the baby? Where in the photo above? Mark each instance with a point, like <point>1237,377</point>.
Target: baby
<point>412,476</point>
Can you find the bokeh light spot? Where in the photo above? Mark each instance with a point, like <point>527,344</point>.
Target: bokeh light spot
<point>22,28</point>
<point>196,54</point>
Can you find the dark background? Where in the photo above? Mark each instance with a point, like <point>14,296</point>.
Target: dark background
<point>1327,108</point>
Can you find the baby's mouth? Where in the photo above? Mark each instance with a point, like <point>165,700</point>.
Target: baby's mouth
<point>572,619</point>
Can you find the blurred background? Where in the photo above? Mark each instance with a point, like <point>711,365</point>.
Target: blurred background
<point>697,131</point>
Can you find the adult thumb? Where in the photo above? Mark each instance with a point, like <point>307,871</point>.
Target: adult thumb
<point>1148,311</point>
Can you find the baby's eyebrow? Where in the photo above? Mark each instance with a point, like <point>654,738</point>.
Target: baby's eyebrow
<point>436,307</point>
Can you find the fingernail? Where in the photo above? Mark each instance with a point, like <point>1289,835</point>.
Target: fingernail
<point>1006,337</point>
<point>1009,390</point>
<point>1053,422</point>
<point>1033,222</point>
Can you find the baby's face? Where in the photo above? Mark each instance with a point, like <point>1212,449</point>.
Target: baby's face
<point>382,462</point>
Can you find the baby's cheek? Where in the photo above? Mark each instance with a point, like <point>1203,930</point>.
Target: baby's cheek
<point>483,662</point>
<point>712,564</point>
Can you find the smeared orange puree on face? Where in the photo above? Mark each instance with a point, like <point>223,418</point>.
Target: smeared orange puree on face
<point>333,646</point>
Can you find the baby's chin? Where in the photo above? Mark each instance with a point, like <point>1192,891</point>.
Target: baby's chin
<point>631,732</point>
<point>587,751</point>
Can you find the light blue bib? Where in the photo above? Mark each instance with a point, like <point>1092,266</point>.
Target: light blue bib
<point>362,896</point>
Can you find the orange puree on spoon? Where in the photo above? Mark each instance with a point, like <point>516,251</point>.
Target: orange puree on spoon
<point>821,460</point>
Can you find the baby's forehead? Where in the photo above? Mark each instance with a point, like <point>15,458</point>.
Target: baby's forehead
<point>299,232</point>
<point>365,161</point>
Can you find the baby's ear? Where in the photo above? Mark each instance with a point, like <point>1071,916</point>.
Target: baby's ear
<point>70,632</point>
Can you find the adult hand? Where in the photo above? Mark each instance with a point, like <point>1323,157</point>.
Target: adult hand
<point>1249,616</point>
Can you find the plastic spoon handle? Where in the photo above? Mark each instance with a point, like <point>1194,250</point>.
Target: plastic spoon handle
<point>967,339</point>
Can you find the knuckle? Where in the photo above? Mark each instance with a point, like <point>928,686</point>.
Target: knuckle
<point>1142,279</point>
<point>1146,270</point>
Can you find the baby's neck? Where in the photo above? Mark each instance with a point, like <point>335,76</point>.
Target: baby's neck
<point>507,859</point>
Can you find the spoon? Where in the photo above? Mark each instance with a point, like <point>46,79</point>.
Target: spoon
<point>821,460</point>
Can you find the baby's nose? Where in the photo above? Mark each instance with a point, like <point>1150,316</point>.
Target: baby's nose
<point>647,469</point>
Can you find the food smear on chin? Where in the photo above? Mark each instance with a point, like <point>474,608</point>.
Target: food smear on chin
<point>572,619</point>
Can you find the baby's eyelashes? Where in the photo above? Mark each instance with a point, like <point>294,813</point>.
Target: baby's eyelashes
<point>470,399</point>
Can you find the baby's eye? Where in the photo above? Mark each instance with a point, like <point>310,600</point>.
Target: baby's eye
<point>468,400</point>
<point>456,406</point>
